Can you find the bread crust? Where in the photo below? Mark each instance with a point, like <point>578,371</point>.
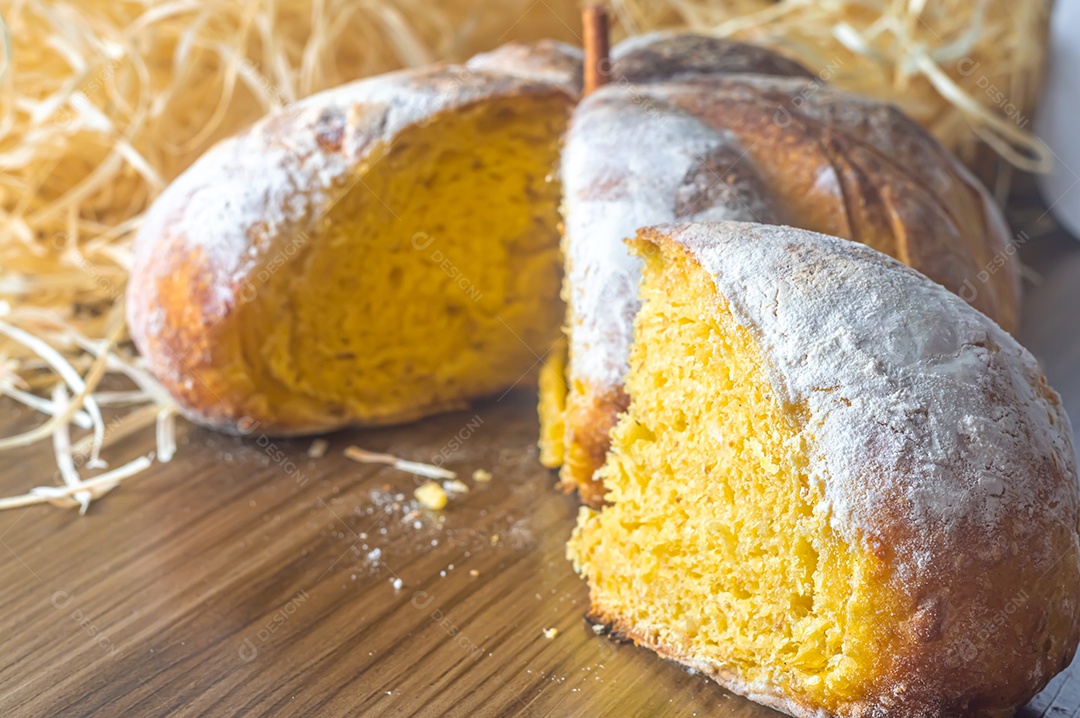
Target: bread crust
<point>795,152</point>
<point>767,695</point>
<point>947,458</point>
<point>590,417</point>
<point>247,209</point>
<point>674,56</point>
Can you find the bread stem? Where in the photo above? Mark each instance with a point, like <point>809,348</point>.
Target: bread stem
<point>594,20</point>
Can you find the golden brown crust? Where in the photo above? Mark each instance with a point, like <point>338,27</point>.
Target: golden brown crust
<point>590,417</point>
<point>677,56</point>
<point>777,699</point>
<point>621,630</point>
<point>900,191</point>
<point>248,210</point>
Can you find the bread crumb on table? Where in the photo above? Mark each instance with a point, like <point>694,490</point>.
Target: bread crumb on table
<point>318,448</point>
<point>481,477</point>
<point>550,633</point>
<point>455,486</point>
<point>431,496</point>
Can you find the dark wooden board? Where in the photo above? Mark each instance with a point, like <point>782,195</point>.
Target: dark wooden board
<point>239,579</point>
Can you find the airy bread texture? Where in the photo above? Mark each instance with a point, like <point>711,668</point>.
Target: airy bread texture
<point>706,129</point>
<point>838,489</point>
<point>373,254</point>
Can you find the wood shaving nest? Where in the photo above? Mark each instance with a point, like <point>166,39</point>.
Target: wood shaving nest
<point>104,102</point>
<point>82,407</point>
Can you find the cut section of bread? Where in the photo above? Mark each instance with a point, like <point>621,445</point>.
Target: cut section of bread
<point>721,130</point>
<point>838,489</point>
<point>375,253</point>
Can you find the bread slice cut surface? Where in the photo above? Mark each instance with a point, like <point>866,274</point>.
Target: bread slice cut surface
<point>715,542</point>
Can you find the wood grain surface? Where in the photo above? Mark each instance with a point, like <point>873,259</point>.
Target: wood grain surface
<point>245,579</point>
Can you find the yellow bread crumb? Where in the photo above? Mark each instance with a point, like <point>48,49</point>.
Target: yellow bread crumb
<point>318,448</point>
<point>431,496</point>
<point>550,633</point>
<point>481,477</point>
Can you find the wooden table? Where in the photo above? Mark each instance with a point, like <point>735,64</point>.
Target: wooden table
<point>245,579</point>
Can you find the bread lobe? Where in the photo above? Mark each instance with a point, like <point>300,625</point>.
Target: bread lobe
<point>248,208</point>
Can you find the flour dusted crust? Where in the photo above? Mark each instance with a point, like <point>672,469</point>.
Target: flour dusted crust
<point>672,56</point>
<point>547,61</point>
<point>940,449</point>
<point>701,128</point>
<point>246,207</point>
